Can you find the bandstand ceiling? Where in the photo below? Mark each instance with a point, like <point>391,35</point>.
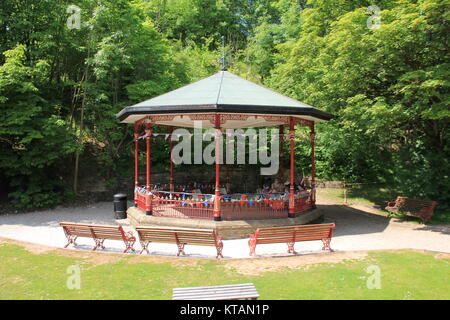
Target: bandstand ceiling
<point>241,103</point>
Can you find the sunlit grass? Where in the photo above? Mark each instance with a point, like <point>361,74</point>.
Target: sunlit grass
<point>404,275</point>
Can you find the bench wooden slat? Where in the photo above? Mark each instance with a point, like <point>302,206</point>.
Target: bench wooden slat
<point>224,292</point>
<point>210,293</point>
<point>207,291</point>
<point>180,236</point>
<point>216,287</point>
<point>219,297</point>
<point>99,233</point>
<point>292,234</point>
<point>412,207</point>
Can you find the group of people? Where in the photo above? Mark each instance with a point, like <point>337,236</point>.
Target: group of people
<point>301,184</point>
<point>277,186</point>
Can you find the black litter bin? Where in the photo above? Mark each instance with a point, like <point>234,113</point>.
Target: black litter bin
<point>120,206</point>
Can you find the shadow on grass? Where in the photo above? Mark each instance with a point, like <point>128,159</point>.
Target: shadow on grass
<point>379,195</point>
<point>440,229</point>
<point>351,221</point>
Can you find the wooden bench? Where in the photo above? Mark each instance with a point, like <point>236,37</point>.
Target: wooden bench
<point>292,234</point>
<point>422,209</point>
<point>226,292</point>
<point>99,233</point>
<point>180,237</point>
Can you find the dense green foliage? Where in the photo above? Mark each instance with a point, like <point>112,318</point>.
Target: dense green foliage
<point>60,87</point>
<point>388,86</point>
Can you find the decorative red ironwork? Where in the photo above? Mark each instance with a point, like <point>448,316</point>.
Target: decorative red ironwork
<point>71,238</point>
<point>201,206</point>
<point>217,123</point>
<point>283,120</point>
<point>171,117</point>
<point>99,233</point>
<point>182,205</point>
<point>143,197</point>
<point>313,164</point>
<point>207,116</point>
<point>254,209</point>
<point>129,241</point>
<point>98,244</point>
<point>181,209</point>
<point>219,246</point>
<point>144,245</point>
<point>180,248</point>
<point>252,243</point>
<point>148,132</point>
<point>291,247</point>
<point>233,116</point>
<point>303,122</point>
<point>326,244</point>
<point>171,181</point>
<point>292,164</point>
<point>303,204</point>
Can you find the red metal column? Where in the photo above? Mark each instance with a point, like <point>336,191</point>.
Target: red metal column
<point>217,211</point>
<point>171,185</point>
<point>136,161</point>
<point>281,154</point>
<point>148,133</point>
<point>291,213</point>
<point>313,166</point>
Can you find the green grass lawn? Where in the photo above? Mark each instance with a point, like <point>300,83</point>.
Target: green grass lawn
<point>404,275</point>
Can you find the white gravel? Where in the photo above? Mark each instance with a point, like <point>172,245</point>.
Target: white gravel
<point>355,230</point>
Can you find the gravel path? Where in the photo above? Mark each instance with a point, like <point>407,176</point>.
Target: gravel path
<point>356,230</point>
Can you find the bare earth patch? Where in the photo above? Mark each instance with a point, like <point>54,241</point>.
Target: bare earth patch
<point>98,258</point>
<point>93,258</point>
<point>175,261</point>
<point>31,247</point>
<point>443,256</point>
<point>437,255</point>
<point>260,265</point>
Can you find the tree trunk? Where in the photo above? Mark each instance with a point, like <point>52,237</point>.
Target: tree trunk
<point>83,104</point>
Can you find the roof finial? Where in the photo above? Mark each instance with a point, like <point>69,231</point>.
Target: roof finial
<point>222,60</point>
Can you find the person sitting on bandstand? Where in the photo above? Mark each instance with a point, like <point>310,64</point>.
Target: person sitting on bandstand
<point>277,186</point>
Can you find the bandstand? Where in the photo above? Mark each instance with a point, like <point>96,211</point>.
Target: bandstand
<point>219,102</point>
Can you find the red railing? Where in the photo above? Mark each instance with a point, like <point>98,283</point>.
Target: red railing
<point>143,199</point>
<point>304,202</point>
<point>182,209</point>
<point>182,205</point>
<point>233,207</point>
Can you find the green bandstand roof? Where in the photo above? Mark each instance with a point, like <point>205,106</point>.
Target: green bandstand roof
<point>222,92</point>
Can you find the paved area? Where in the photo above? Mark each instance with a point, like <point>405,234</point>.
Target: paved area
<point>356,229</point>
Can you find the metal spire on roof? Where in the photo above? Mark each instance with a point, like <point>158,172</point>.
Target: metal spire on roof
<point>222,60</point>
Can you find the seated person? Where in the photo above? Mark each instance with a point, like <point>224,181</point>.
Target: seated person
<point>223,190</point>
<point>266,188</point>
<point>277,186</point>
<point>305,183</point>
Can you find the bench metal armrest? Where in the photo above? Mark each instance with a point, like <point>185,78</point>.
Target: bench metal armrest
<point>129,235</point>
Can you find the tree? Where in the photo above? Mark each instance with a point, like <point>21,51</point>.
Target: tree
<point>387,86</point>
<point>34,140</point>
